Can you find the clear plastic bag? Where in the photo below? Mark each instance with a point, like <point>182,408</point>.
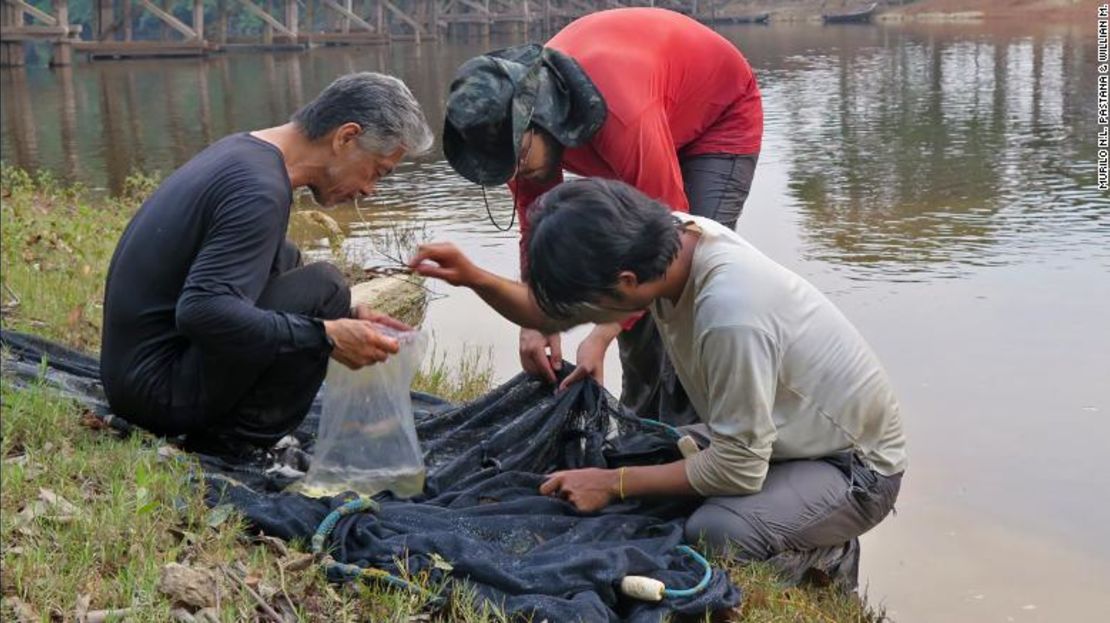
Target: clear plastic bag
<point>367,439</point>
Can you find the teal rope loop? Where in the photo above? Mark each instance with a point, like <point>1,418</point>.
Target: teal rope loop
<point>700,586</point>
<point>352,572</point>
<point>671,430</point>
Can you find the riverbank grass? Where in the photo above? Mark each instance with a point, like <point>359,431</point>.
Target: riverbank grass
<point>89,521</point>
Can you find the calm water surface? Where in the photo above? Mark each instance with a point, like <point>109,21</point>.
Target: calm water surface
<point>937,182</point>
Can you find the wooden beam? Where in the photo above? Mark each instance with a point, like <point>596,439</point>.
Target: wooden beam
<point>581,6</point>
<point>481,8</point>
<point>416,28</point>
<point>267,29</point>
<point>11,52</point>
<point>221,21</point>
<point>140,49</point>
<point>110,30</point>
<point>169,19</point>
<point>63,50</point>
<point>357,37</point>
<point>36,12</point>
<point>266,17</point>
<point>32,33</point>
<point>198,18</point>
<point>349,14</point>
<point>106,21</point>
<point>292,16</point>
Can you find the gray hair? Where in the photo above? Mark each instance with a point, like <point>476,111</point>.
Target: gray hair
<point>381,105</point>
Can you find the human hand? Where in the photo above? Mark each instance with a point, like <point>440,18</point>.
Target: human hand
<point>357,343</point>
<point>590,361</point>
<point>363,311</point>
<point>533,354</point>
<point>590,490</point>
<point>443,260</point>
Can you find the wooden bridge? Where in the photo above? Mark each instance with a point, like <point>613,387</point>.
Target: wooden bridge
<point>288,24</point>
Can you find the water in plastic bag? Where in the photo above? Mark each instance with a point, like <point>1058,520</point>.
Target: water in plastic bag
<point>367,439</point>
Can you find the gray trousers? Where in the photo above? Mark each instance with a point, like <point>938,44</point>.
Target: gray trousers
<point>806,518</point>
<point>717,187</point>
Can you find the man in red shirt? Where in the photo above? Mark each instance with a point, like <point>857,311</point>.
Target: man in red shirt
<point>646,96</point>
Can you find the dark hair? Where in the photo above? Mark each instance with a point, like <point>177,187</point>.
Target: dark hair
<point>381,105</point>
<point>586,232</point>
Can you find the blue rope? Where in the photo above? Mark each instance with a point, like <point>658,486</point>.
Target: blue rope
<point>674,432</point>
<point>700,586</point>
<point>352,572</point>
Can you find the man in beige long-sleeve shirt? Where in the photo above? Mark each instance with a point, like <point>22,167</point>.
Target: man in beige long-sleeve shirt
<point>806,448</point>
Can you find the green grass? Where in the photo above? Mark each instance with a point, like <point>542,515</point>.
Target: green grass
<point>101,515</point>
<point>56,248</point>
<point>465,378</point>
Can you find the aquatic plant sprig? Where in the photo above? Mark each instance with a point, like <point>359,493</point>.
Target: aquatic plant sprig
<point>397,242</point>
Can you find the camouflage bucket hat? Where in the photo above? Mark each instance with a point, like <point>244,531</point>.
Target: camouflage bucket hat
<point>496,96</point>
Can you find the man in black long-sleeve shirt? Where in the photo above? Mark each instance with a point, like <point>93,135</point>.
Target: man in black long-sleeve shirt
<point>213,328</point>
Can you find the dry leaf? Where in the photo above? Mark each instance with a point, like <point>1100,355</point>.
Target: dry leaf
<point>49,506</point>
<point>439,562</point>
<point>24,613</point>
<point>181,615</point>
<point>189,585</point>
<point>62,505</point>
<point>167,452</point>
<point>186,537</point>
<point>274,544</point>
<point>218,515</point>
<point>101,616</point>
<point>299,563</point>
<point>75,315</point>
<point>81,610</point>
<point>89,420</point>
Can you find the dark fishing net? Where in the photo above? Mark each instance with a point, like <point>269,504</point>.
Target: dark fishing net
<point>481,513</point>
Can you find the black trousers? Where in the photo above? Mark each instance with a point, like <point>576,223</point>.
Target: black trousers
<point>224,406</point>
<point>717,187</point>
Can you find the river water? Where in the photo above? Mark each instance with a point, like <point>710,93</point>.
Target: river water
<point>938,182</point>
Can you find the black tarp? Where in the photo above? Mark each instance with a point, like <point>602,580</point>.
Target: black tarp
<point>533,556</point>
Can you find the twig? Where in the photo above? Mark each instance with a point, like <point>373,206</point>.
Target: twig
<point>399,273</point>
<point>218,609</point>
<point>270,612</point>
<point>12,303</point>
<point>387,271</point>
<point>285,592</point>
<point>100,616</point>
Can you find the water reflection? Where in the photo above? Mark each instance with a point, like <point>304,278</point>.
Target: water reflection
<point>20,126</point>
<point>911,152</point>
<point>923,153</point>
